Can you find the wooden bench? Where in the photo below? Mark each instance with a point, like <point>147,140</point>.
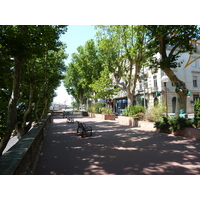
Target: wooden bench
<point>83,129</point>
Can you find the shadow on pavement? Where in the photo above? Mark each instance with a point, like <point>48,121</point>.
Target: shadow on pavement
<point>115,149</point>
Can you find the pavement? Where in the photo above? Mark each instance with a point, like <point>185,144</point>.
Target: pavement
<point>115,150</point>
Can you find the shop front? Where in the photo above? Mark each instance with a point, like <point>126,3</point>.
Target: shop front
<point>120,105</point>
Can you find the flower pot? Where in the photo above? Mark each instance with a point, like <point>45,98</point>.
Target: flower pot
<point>131,121</point>
<point>105,116</point>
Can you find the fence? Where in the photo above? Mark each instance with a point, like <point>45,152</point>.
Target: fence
<point>73,112</point>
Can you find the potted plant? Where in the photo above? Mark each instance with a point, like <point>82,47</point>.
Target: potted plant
<point>172,124</point>
<point>99,111</point>
<point>131,115</point>
<point>107,112</point>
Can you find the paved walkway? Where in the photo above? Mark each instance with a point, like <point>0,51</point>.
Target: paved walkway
<point>115,149</point>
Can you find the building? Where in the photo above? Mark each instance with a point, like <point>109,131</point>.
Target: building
<point>150,89</point>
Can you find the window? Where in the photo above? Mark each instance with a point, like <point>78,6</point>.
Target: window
<point>155,81</point>
<point>146,84</point>
<point>140,85</point>
<point>194,81</point>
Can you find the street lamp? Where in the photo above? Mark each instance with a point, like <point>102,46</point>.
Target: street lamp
<point>165,79</point>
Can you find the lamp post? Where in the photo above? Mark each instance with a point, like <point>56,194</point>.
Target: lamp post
<point>165,79</point>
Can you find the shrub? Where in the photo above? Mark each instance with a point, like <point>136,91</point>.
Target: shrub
<point>155,113</point>
<point>132,111</point>
<point>106,110</point>
<point>197,113</point>
<point>179,123</point>
<point>140,116</point>
<point>171,124</point>
<point>97,108</point>
<point>91,109</point>
<point>163,125</point>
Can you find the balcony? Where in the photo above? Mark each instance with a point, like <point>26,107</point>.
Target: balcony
<point>153,89</point>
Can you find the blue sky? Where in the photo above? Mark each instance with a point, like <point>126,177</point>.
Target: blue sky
<point>76,35</point>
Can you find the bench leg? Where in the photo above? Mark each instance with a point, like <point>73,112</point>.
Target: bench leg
<point>82,134</point>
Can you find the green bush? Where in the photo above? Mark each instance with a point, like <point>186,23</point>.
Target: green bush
<point>106,110</point>
<point>197,112</point>
<point>155,113</point>
<point>91,109</point>
<point>132,111</point>
<point>171,124</point>
<point>96,108</point>
<point>163,125</point>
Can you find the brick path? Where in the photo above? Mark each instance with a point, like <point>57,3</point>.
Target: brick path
<point>115,149</point>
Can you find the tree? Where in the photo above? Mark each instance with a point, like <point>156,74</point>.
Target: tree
<point>82,71</point>
<point>72,83</point>
<point>21,43</point>
<point>123,52</point>
<point>40,79</point>
<point>103,87</point>
<point>171,42</point>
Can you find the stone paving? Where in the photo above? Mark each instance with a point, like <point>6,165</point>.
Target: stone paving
<point>115,150</point>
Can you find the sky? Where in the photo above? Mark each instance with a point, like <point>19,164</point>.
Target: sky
<point>76,35</point>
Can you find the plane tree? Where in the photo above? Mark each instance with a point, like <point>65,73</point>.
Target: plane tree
<point>72,84</point>
<point>82,71</point>
<point>20,43</point>
<point>39,80</point>
<point>122,48</point>
<point>103,87</point>
<point>171,41</point>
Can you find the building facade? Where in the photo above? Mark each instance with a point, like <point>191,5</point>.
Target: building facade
<point>150,89</point>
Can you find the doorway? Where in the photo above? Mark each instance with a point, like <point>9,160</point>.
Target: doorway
<point>174,105</point>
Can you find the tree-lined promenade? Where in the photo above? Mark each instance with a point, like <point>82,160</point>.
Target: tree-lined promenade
<point>32,66</point>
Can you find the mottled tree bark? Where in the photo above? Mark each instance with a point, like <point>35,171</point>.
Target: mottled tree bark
<point>180,89</point>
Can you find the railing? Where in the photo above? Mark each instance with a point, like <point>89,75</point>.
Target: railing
<point>22,157</point>
<point>60,112</point>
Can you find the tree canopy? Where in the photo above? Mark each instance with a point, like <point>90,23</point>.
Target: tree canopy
<point>31,62</point>
<point>82,71</point>
<point>122,50</point>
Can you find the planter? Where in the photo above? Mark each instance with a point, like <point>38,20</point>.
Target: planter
<point>131,121</point>
<point>188,133</point>
<point>91,114</point>
<point>146,125</point>
<point>102,116</point>
<point>105,116</point>
<point>163,130</point>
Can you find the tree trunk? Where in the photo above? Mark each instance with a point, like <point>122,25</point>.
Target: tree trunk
<point>45,109</point>
<point>22,129</point>
<point>180,89</point>
<point>132,85</point>
<point>12,111</point>
<point>130,98</point>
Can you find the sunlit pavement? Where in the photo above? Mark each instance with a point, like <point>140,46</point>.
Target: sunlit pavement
<point>115,150</point>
